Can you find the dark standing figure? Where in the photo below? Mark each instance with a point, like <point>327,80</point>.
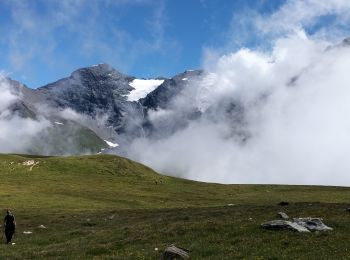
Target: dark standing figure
<point>10,226</point>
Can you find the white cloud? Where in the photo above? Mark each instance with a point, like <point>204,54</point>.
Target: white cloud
<point>297,132</point>
<point>270,116</point>
<point>6,97</point>
<point>97,34</point>
<point>16,133</point>
<point>324,20</point>
<point>297,14</point>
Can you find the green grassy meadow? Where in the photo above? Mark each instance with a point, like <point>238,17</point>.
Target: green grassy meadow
<point>108,207</point>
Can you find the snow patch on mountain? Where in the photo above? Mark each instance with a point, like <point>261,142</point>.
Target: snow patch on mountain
<point>142,87</point>
<point>110,144</point>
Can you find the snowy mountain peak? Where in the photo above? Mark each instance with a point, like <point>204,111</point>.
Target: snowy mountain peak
<point>99,70</point>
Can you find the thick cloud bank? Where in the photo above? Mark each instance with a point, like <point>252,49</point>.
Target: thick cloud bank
<point>277,116</point>
<point>275,113</point>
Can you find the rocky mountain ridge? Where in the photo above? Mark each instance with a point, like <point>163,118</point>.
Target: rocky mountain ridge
<point>92,102</point>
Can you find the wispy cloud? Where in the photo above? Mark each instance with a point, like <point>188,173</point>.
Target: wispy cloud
<point>258,30</point>
<point>296,14</point>
<point>51,31</point>
<point>7,98</point>
<point>16,133</point>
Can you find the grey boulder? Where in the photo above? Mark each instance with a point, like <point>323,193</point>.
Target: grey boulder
<point>313,224</point>
<point>283,224</point>
<point>298,224</point>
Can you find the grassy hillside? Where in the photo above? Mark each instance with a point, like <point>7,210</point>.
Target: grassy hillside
<point>109,207</point>
<point>67,137</point>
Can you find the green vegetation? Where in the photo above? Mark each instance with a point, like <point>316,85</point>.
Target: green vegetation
<point>107,207</point>
<point>66,137</point>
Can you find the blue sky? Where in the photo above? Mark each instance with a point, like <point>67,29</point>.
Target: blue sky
<point>43,41</point>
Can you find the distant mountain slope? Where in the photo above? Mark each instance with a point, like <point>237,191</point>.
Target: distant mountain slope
<point>162,96</point>
<point>66,138</point>
<point>97,103</point>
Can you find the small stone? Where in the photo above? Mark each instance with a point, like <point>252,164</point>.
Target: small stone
<point>27,232</point>
<point>42,227</point>
<point>282,215</point>
<point>174,252</point>
<point>28,163</point>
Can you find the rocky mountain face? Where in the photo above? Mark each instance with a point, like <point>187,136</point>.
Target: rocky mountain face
<point>90,110</point>
<point>91,91</point>
<point>162,96</point>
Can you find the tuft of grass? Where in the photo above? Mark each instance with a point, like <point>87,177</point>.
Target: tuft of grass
<point>108,207</point>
